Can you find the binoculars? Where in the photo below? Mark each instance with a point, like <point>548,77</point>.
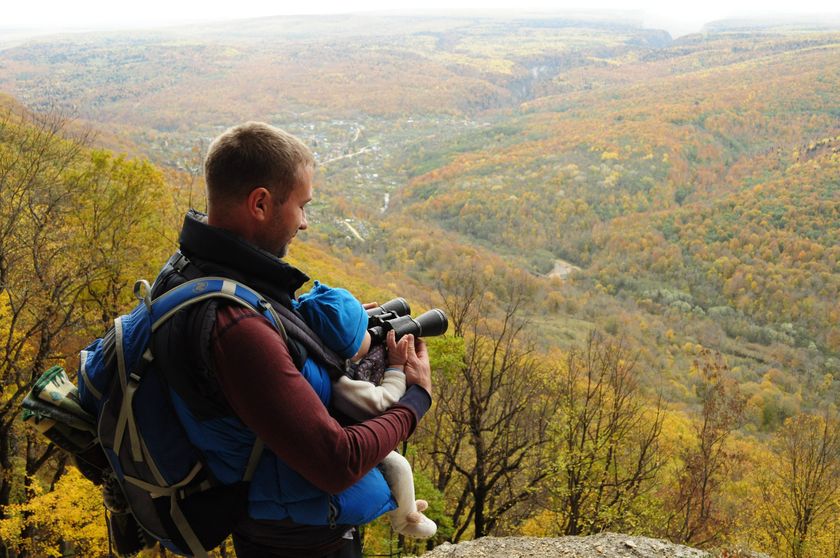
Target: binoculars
<point>394,315</point>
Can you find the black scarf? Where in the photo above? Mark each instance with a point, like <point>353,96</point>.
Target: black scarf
<point>220,252</point>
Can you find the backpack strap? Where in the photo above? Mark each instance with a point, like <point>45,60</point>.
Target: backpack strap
<point>160,310</point>
<point>180,490</point>
<point>196,290</point>
<point>173,492</point>
<point>129,382</point>
<point>291,324</point>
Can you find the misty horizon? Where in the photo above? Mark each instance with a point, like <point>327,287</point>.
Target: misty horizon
<point>676,24</point>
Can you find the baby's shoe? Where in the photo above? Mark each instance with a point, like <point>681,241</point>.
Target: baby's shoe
<point>413,524</point>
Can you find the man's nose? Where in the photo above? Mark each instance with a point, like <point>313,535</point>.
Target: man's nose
<point>303,223</point>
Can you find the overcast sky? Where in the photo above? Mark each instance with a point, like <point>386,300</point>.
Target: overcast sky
<point>674,15</point>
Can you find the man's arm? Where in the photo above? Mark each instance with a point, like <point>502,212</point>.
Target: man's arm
<point>272,398</point>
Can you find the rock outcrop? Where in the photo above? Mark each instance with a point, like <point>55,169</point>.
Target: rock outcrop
<point>604,545</point>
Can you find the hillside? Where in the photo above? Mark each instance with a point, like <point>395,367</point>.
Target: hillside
<point>167,88</point>
<point>699,180</point>
<point>330,66</point>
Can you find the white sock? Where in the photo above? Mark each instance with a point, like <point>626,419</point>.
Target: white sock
<point>407,519</point>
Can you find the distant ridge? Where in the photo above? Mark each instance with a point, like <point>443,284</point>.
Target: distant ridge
<point>825,22</point>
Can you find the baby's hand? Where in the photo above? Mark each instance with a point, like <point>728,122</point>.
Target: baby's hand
<point>397,352</point>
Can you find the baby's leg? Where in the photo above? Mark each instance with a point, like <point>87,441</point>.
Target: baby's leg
<point>406,519</point>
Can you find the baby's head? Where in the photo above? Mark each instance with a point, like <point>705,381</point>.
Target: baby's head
<point>337,318</point>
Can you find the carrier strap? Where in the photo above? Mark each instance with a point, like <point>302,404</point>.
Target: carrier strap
<point>298,328</point>
<point>253,460</point>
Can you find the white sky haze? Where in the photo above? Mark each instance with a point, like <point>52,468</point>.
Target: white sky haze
<point>677,17</point>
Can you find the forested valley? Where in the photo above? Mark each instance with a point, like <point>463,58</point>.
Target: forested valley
<point>636,240</point>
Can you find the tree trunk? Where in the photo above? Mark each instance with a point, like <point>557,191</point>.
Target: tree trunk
<point>5,481</point>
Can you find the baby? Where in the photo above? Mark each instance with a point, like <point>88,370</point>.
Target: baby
<point>341,323</point>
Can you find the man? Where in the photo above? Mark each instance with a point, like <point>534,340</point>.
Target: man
<point>237,377</point>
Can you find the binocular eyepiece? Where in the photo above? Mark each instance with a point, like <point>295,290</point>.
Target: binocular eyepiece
<point>396,306</point>
<point>394,315</point>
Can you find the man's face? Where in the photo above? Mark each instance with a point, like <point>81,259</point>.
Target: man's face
<point>289,217</point>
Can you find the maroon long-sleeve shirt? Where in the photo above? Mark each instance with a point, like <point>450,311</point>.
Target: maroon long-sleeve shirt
<point>274,400</point>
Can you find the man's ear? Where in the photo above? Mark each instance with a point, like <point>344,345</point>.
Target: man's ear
<point>259,203</point>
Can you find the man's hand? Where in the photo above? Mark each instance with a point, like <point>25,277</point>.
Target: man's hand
<point>417,368</point>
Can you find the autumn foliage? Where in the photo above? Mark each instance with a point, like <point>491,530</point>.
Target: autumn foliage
<point>636,240</point>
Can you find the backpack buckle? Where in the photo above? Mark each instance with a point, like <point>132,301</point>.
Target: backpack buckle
<point>179,261</point>
<point>143,291</point>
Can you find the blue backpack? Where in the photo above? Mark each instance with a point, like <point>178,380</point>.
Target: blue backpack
<point>161,478</point>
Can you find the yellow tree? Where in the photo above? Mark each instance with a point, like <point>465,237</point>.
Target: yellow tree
<point>801,493</point>
<point>706,461</point>
<point>40,291</point>
<point>606,441</point>
<point>120,228</point>
<point>69,517</point>
<point>77,227</point>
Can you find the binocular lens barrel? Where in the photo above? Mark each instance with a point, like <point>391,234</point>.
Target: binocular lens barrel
<point>398,306</point>
<point>427,324</point>
<point>432,323</point>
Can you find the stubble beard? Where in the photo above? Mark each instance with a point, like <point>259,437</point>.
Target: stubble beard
<point>281,253</point>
